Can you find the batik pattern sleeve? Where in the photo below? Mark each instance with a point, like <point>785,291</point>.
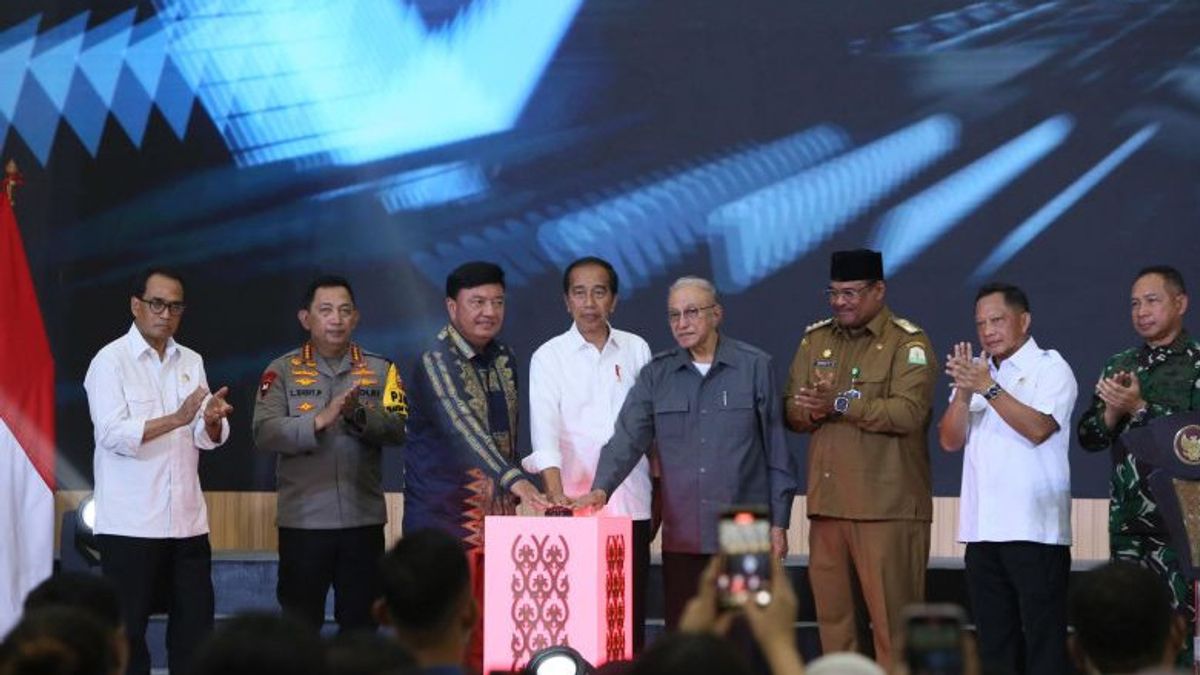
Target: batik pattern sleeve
<point>466,433</point>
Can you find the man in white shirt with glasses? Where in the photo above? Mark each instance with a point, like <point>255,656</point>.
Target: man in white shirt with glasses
<point>152,414</point>
<point>577,383</point>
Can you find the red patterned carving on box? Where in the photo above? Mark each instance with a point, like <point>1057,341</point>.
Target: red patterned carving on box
<point>539,595</point>
<point>614,587</point>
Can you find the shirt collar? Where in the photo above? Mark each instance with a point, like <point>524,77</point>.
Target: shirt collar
<point>1023,358</point>
<point>875,326</point>
<point>460,343</point>
<point>724,354</point>
<point>579,342</point>
<point>1178,346</point>
<point>138,346</point>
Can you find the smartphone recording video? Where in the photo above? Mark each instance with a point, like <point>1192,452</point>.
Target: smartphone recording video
<point>744,535</point>
<point>933,639</point>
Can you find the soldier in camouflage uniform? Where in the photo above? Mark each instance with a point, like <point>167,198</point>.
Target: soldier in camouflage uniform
<point>1156,379</point>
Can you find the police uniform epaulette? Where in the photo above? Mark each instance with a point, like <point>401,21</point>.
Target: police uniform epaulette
<point>906,325</point>
<point>820,324</point>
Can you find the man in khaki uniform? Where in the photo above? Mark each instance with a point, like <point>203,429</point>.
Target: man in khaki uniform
<point>326,409</point>
<point>861,384</point>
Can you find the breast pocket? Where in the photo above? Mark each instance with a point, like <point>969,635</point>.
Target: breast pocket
<point>872,386</point>
<point>737,411</point>
<point>142,401</point>
<point>670,418</point>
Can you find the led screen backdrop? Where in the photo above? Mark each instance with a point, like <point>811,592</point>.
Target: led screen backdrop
<point>254,144</point>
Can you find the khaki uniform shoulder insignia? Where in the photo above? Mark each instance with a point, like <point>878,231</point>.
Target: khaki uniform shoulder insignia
<point>906,325</point>
<point>820,324</point>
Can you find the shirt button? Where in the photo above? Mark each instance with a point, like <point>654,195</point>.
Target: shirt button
<point>703,411</point>
<point>703,470</point>
<point>826,474</point>
<point>702,441</point>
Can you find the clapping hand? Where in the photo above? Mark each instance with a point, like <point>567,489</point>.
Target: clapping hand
<point>217,407</point>
<point>190,406</point>
<point>970,374</point>
<point>1121,392</point>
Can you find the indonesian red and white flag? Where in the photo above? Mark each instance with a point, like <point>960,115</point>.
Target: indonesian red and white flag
<point>26,425</point>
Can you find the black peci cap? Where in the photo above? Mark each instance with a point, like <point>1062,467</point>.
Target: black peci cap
<point>856,265</point>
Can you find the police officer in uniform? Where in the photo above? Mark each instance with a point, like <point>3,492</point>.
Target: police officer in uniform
<point>861,383</point>
<point>326,409</point>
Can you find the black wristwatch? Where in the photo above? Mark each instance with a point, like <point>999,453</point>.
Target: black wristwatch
<point>992,391</point>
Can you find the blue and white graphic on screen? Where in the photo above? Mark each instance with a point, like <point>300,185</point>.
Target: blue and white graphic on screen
<point>324,83</point>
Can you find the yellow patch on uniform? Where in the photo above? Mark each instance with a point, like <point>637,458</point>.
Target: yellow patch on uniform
<point>305,407</point>
<point>916,356</point>
<point>363,370</point>
<point>367,382</point>
<point>394,399</point>
<point>827,353</point>
<point>310,373</point>
<point>296,361</point>
<point>304,381</point>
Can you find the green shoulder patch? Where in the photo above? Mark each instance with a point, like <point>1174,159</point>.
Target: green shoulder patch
<point>916,355</point>
<point>906,325</point>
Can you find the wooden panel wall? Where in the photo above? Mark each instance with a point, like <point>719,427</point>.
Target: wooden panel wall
<point>245,521</point>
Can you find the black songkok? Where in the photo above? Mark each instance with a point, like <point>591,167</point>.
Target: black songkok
<point>857,265</point>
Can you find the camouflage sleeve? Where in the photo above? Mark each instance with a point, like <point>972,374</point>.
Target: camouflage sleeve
<point>1094,435</point>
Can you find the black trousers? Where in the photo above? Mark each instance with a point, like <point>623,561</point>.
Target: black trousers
<point>681,576</point>
<point>152,575</point>
<point>310,561</point>
<point>1018,596</point>
<point>641,574</point>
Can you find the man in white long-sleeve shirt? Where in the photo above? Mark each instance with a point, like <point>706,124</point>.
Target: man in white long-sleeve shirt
<point>577,383</point>
<point>152,414</point>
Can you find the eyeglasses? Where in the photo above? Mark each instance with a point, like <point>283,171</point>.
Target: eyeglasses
<point>691,314</point>
<point>157,305</point>
<point>849,294</point>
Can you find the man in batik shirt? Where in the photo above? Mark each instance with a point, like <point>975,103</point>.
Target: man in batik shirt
<point>460,464</point>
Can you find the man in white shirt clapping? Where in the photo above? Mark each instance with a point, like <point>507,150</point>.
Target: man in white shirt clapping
<point>577,383</point>
<point>1010,409</point>
<point>152,414</point>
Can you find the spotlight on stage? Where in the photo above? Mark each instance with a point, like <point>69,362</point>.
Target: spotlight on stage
<point>86,512</point>
<point>77,545</point>
<point>558,660</point>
